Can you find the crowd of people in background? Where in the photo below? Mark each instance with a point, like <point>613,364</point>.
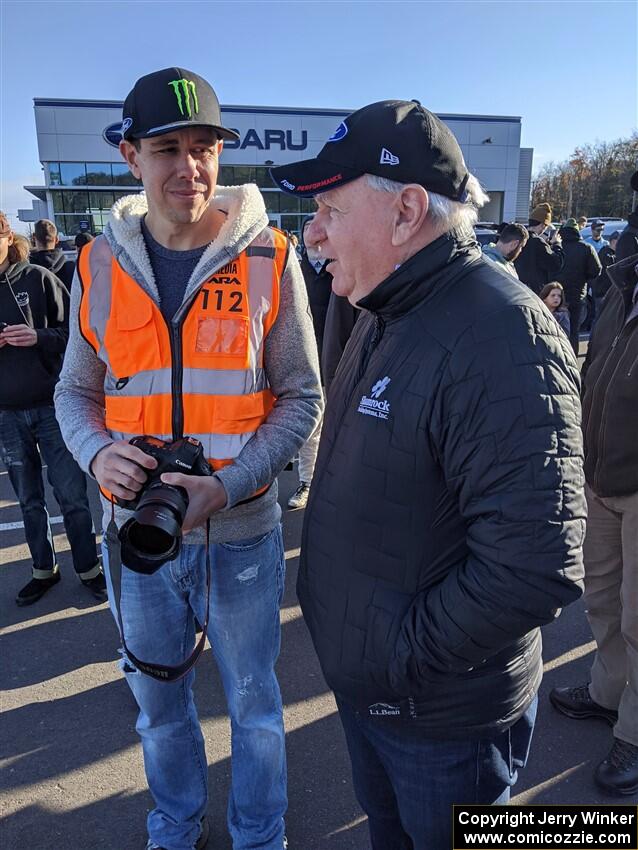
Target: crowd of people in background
<point>556,260</point>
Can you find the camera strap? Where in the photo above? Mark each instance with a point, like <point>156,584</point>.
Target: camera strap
<point>161,672</point>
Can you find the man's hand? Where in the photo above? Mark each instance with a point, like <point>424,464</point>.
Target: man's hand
<point>118,468</point>
<point>21,336</point>
<point>205,496</point>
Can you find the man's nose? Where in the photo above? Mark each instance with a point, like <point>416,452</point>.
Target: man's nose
<point>187,165</point>
<point>314,234</point>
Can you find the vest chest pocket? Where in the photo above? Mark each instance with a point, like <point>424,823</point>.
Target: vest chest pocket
<point>217,333</point>
<point>225,336</point>
<point>124,416</point>
<point>132,339</point>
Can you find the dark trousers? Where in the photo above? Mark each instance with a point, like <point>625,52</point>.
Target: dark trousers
<point>576,305</point>
<point>407,784</point>
<point>25,436</point>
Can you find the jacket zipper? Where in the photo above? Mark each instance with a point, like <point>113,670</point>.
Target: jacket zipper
<point>177,379</point>
<point>370,344</point>
<point>177,363</point>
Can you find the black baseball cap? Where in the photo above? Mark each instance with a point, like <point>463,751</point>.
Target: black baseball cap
<point>396,139</point>
<point>168,100</point>
<point>597,224</point>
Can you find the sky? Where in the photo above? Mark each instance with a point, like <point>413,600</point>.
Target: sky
<point>567,68</point>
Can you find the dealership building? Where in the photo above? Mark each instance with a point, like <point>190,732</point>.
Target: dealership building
<point>84,173</point>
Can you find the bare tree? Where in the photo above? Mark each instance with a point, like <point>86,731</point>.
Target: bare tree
<point>593,181</point>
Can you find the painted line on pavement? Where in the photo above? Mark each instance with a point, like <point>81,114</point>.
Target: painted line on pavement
<point>11,526</point>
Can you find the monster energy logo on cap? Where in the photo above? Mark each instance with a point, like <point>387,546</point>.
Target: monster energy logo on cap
<point>183,90</point>
<point>172,99</point>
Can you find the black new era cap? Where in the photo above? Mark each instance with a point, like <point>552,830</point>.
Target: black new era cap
<point>396,139</point>
<point>171,100</point>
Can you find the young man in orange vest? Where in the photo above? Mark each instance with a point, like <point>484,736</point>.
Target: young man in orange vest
<point>190,319</point>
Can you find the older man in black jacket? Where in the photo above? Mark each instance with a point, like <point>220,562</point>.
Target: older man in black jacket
<point>447,513</point>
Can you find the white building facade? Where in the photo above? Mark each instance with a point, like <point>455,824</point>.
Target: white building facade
<point>84,173</point>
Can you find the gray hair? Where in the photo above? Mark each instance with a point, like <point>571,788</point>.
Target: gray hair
<point>444,213</point>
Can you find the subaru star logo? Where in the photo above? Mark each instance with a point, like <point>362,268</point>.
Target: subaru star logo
<point>113,134</point>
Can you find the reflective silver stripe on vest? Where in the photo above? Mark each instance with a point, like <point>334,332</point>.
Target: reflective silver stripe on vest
<point>217,446</point>
<point>100,261</point>
<point>260,292</point>
<point>196,382</point>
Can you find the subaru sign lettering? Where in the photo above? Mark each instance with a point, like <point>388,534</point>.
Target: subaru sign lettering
<point>265,140</point>
<point>113,134</point>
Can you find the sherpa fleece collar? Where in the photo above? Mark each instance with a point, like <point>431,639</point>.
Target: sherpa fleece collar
<point>245,218</point>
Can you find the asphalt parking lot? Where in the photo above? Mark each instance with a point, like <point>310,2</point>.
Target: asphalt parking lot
<point>72,776</point>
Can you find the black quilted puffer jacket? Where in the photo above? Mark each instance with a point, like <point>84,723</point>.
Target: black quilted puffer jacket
<point>446,512</point>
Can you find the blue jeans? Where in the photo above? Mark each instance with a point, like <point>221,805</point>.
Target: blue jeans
<point>247,580</point>
<point>406,783</point>
<point>26,436</point>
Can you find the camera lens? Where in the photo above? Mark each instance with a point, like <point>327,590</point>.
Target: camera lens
<point>153,535</point>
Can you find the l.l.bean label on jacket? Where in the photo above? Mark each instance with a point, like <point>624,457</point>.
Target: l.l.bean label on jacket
<point>374,405</point>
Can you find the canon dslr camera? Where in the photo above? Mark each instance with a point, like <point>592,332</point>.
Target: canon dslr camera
<point>153,534</point>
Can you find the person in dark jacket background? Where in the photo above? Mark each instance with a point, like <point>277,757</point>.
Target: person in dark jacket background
<point>539,262</point>
<point>628,240</point>
<point>49,255</point>
<point>610,403</point>
<point>34,314</point>
<point>447,513</point>
<point>333,319</point>
<point>600,287</point>
<point>581,267</point>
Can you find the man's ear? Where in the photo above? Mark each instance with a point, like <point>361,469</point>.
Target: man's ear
<point>411,209</point>
<point>129,153</point>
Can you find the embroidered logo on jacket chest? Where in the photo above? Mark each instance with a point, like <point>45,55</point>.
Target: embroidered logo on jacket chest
<point>374,405</point>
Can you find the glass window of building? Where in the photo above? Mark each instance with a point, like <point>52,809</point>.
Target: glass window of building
<point>69,225</point>
<point>58,201</point>
<point>53,169</point>
<point>98,173</point>
<point>288,203</point>
<point>292,223</point>
<point>122,176</point>
<point>73,173</point>
<point>100,200</point>
<point>272,201</point>
<point>76,202</point>
<point>263,178</point>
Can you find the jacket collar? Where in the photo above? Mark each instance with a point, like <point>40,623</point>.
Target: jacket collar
<point>623,275</point>
<point>245,219</point>
<point>421,275</point>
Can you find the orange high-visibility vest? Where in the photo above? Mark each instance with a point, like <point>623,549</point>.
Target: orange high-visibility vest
<point>201,375</point>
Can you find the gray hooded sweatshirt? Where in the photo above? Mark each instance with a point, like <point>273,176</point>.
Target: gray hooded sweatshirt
<point>290,360</point>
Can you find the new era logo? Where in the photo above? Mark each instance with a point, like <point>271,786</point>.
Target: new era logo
<point>388,158</point>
